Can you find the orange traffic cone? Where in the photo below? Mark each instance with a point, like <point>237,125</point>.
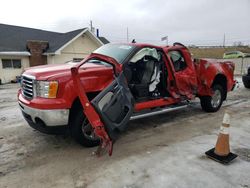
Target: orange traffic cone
<point>221,152</point>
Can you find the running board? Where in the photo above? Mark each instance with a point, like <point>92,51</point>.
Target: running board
<point>157,112</point>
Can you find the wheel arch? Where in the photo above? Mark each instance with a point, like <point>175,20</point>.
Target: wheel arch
<point>76,104</point>
<point>221,80</point>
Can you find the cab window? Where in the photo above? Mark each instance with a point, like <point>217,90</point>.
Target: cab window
<point>178,60</point>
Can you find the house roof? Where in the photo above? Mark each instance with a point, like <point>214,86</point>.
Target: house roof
<point>104,40</point>
<point>14,38</point>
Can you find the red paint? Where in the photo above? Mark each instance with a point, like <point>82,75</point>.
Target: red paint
<point>185,80</point>
<point>89,110</point>
<point>207,70</point>
<point>155,103</point>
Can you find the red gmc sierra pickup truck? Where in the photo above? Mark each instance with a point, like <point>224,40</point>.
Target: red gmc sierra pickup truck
<point>95,98</point>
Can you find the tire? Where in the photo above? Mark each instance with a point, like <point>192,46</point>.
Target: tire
<point>246,81</point>
<point>213,103</point>
<point>82,131</point>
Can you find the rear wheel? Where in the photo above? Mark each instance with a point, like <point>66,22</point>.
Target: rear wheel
<point>82,131</point>
<point>246,81</point>
<point>214,102</point>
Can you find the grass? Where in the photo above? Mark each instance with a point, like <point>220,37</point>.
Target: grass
<point>216,52</point>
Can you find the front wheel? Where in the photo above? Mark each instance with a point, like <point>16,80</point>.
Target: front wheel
<point>214,102</point>
<point>82,131</point>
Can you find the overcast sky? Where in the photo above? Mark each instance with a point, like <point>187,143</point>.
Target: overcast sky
<point>200,22</point>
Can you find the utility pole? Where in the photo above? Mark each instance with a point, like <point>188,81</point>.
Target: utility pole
<point>224,40</point>
<point>91,26</point>
<point>127,35</point>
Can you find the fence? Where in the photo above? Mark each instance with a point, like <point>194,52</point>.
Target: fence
<point>241,64</point>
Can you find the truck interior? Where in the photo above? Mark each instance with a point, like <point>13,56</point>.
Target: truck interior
<point>146,75</point>
<point>144,78</point>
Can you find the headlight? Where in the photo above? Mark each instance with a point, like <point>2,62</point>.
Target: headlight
<point>46,89</point>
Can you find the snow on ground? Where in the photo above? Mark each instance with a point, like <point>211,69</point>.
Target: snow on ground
<point>162,151</point>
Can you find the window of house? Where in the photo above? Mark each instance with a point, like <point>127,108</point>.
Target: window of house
<point>11,63</point>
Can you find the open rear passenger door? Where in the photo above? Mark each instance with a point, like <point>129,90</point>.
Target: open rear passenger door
<point>184,73</point>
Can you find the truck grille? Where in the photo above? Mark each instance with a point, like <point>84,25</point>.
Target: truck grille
<point>27,87</point>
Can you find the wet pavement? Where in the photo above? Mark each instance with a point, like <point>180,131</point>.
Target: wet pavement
<point>162,151</point>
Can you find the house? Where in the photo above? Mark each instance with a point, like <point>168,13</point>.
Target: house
<point>22,47</point>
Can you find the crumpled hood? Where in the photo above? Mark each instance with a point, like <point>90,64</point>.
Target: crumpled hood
<point>46,72</point>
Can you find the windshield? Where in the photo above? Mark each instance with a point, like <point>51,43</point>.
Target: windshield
<point>118,51</point>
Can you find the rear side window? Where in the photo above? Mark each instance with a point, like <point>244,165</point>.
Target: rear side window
<point>178,60</point>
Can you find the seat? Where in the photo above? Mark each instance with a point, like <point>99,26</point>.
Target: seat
<point>144,77</point>
<point>148,72</point>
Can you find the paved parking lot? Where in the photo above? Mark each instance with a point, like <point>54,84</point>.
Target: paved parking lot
<point>162,151</point>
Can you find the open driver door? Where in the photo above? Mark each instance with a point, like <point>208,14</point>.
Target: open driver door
<point>110,111</point>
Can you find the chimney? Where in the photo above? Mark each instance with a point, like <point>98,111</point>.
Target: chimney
<point>37,48</point>
<point>97,32</point>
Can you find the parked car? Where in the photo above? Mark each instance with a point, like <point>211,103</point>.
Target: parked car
<point>246,55</point>
<point>233,55</point>
<point>97,97</point>
<point>246,78</point>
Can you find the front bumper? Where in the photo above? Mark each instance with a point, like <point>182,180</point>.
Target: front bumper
<point>50,118</point>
